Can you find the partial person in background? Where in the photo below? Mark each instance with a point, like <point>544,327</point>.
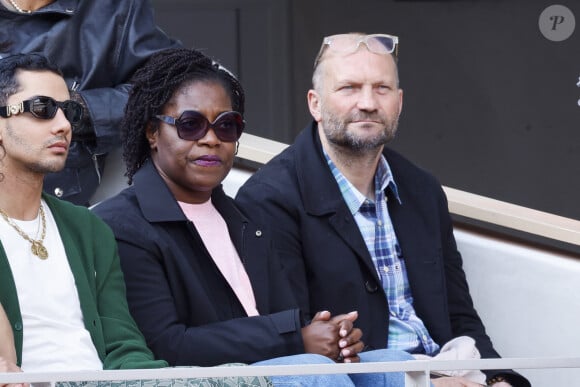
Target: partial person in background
<point>357,226</point>
<point>97,45</point>
<point>202,283</point>
<point>61,283</point>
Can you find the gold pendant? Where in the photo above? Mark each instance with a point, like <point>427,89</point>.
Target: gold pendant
<point>39,250</point>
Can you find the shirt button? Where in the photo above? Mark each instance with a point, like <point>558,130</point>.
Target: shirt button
<point>258,233</point>
<point>18,326</point>
<point>386,269</point>
<point>380,222</point>
<point>58,192</point>
<point>424,337</point>
<point>393,314</point>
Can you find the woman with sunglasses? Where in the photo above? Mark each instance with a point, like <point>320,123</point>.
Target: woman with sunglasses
<point>202,283</point>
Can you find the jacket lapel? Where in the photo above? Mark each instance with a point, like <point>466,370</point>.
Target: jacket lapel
<point>321,194</point>
<point>151,190</point>
<point>417,227</point>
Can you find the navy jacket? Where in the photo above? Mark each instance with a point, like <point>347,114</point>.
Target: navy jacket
<point>327,261</point>
<point>183,305</point>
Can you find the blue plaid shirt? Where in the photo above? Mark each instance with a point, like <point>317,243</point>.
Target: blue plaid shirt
<point>406,330</point>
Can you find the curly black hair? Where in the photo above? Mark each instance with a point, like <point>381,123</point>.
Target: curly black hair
<point>153,86</point>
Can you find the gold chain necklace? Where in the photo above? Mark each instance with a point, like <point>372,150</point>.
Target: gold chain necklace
<point>37,247</point>
<point>18,8</point>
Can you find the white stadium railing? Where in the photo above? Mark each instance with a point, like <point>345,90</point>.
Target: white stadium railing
<point>416,372</point>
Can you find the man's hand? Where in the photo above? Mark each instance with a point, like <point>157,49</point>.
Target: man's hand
<point>8,366</point>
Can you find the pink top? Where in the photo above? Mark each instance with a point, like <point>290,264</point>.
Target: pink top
<point>214,232</point>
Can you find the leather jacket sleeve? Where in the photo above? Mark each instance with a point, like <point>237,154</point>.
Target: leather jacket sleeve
<point>136,40</point>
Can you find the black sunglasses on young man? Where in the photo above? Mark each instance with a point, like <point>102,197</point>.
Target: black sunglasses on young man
<point>192,125</point>
<point>45,108</point>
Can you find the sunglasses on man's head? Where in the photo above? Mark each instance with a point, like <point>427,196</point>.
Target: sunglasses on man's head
<point>349,43</point>
<point>45,108</point>
<point>192,125</point>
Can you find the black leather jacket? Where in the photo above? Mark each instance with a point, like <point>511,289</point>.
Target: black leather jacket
<point>98,45</point>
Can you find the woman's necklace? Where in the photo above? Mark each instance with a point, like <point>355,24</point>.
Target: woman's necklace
<point>15,5</point>
<point>37,247</point>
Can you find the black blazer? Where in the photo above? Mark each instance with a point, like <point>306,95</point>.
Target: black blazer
<point>327,261</point>
<point>185,308</point>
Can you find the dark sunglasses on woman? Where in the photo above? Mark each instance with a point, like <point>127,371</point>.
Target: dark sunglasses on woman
<point>192,125</point>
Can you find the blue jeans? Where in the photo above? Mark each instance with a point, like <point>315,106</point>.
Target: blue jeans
<point>386,379</point>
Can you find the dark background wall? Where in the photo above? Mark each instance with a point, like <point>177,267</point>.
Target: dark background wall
<point>491,105</point>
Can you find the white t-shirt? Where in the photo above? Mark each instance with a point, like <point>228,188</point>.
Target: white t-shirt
<point>54,335</point>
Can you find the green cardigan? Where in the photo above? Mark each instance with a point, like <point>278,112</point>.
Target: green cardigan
<point>92,254</point>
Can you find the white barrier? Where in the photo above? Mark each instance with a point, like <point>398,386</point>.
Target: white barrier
<point>527,298</point>
<point>417,371</point>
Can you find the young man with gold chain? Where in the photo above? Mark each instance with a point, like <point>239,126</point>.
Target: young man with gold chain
<point>63,293</point>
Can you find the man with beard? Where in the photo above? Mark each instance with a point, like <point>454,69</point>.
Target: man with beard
<point>359,227</point>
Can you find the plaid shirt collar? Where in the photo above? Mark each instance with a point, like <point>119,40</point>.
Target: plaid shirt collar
<point>353,198</point>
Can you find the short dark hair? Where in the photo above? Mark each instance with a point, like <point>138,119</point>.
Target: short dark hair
<point>10,65</point>
<point>154,84</point>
